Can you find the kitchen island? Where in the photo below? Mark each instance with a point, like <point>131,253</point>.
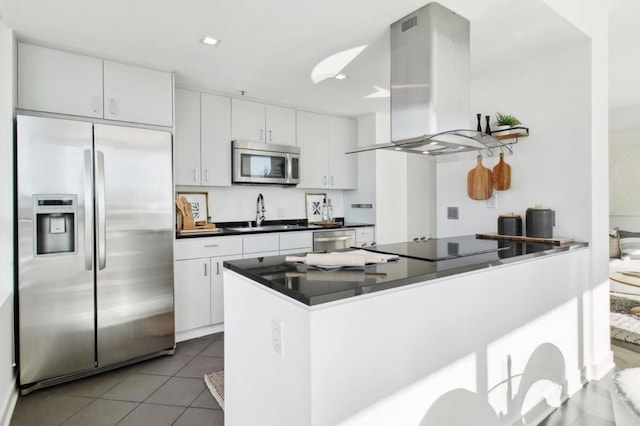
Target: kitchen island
<point>494,331</point>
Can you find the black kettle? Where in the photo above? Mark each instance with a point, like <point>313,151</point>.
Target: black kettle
<point>540,222</point>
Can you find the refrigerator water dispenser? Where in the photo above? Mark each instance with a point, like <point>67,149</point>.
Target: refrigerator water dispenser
<point>55,219</point>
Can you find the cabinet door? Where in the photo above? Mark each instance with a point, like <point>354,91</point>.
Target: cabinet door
<point>247,120</point>
<point>138,95</point>
<point>215,140</point>
<point>54,81</point>
<point>192,293</point>
<point>281,125</point>
<point>186,144</point>
<point>312,138</point>
<point>342,167</point>
<point>365,236</point>
<point>217,294</point>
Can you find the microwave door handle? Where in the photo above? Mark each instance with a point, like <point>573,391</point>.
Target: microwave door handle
<point>289,168</point>
<point>100,204</point>
<point>88,211</point>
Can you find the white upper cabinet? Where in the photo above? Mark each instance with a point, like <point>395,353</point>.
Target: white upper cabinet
<point>65,83</point>
<point>323,141</point>
<point>202,145</point>
<point>247,120</point>
<point>342,167</point>
<point>215,142</point>
<point>186,149</point>
<point>281,125</point>
<point>54,81</point>
<point>139,95</point>
<point>258,122</point>
<point>313,140</point>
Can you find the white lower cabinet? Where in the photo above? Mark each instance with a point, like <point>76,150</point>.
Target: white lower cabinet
<point>198,279</point>
<point>217,294</point>
<point>198,292</point>
<point>199,298</point>
<point>192,293</point>
<point>365,236</point>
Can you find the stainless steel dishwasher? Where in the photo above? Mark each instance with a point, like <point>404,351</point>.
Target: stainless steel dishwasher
<point>333,240</point>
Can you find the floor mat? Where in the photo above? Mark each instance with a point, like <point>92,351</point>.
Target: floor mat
<point>624,326</point>
<point>215,383</point>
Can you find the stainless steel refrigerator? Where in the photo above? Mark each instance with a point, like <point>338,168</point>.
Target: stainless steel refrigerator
<point>94,246</point>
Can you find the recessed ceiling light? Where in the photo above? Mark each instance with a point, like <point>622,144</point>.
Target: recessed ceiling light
<point>433,143</point>
<point>340,77</point>
<point>425,152</point>
<point>331,66</point>
<point>210,41</point>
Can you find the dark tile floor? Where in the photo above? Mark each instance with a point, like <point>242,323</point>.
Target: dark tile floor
<point>169,390</point>
<point>591,406</point>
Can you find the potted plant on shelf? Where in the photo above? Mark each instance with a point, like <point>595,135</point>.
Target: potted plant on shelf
<point>505,123</point>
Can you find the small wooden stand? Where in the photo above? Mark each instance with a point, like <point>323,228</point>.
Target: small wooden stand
<point>558,241</point>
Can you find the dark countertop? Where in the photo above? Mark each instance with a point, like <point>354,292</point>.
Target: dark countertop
<point>314,287</point>
<point>301,225</point>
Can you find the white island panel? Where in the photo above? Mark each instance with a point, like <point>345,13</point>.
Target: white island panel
<point>407,355</point>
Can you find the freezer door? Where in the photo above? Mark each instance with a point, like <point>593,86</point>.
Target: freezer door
<point>134,242</point>
<point>55,292</point>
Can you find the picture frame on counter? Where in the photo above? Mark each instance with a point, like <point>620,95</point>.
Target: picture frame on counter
<point>199,204</point>
<point>313,205</point>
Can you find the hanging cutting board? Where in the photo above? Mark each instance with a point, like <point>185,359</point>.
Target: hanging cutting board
<point>480,182</point>
<point>502,175</point>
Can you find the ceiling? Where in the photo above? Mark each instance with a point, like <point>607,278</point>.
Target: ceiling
<point>269,48</point>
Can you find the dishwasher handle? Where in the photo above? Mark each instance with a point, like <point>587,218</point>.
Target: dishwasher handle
<point>329,239</point>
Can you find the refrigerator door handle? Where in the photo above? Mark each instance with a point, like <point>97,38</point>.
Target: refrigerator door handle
<point>101,213</point>
<point>88,211</point>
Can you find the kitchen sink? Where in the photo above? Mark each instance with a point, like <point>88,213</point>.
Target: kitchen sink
<point>266,228</point>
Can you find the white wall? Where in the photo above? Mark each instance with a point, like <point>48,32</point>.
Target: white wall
<point>551,95</point>
<point>366,192</point>
<point>8,393</point>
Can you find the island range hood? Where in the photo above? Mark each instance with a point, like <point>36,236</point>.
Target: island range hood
<point>430,85</point>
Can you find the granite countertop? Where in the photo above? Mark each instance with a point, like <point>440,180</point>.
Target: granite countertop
<point>314,287</point>
<point>223,228</point>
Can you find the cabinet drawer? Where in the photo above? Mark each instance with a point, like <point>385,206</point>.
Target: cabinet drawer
<point>364,235</point>
<point>260,254</point>
<point>301,251</point>
<point>207,247</point>
<point>295,240</point>
<point>261,243</point>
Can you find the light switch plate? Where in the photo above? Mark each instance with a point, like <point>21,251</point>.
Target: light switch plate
<point>492,202</point>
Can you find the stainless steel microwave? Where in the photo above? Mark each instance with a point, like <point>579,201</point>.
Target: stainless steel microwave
<point>257,162</point>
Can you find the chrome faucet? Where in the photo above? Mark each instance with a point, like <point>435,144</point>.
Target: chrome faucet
<point>260,210</point>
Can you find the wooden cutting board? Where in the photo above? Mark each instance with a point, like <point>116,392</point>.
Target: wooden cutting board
<point>502,175</point>
<point>480,182</point>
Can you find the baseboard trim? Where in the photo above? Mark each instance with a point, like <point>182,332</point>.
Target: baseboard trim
<point>598,370</point>
<point>9,405</point>
<point>199,332</point>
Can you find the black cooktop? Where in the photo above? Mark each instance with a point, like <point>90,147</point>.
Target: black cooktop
<point>440,249</point>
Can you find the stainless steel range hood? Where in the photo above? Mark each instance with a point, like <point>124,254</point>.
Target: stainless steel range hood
<point>430,84</point>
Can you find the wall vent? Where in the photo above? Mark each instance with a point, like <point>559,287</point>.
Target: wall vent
<point>409,23</point>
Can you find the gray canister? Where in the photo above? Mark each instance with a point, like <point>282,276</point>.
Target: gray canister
<point>510,224</point>
<point>540,222</point>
